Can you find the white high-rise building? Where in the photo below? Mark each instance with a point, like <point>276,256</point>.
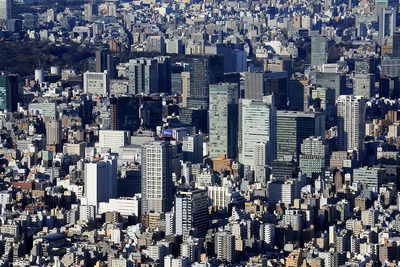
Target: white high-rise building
<point>225,246</point>
<point>257,123</point>
<point>100,181</point>
<point>267,233</point>
<point>96,83</point>
<point>157,177</point>
<point>5,9</point>
<point>351,123</point>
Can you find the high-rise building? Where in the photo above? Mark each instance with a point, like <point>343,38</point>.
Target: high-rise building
<point>314,156</point>
<point>276,83</point>
<point>96,83</point>
<point>151,112</point>
<point>143,76</point>
<point>364,85</point>
<point>191,212</point>
<point>5,9</point>
<point>192,149</point>
<point>225,246</point>
<point>164,74</point>
<point>336,81</point>
<point>298,91</point>
<point>396,44</point>
<point>223,120</point>
<point>254,85</point>
<point>198,95</point>
<point>54,132</point>
<point>124,113</point>
<point>319,50</point>
<point>90,10</point>
<point>100,181</point>
<point>156,177</point>
<point>257,123</point>
<point>10,94</point>
<point>351,123</point>
<point>293,127</point>
<point>387,23</point>
<point>155,44</point>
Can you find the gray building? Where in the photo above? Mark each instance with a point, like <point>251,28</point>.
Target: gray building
<point>293,127</point>
<point>223,120</point>
<point>143,76</point>
<point>319,50</point>
<point>191,212</point>
<point>369,177</point>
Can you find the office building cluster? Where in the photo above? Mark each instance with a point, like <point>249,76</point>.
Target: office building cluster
<point>203,133</point>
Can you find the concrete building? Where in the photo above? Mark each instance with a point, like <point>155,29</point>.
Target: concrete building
<point>319,50</point>
<point>113,139</point>
<point>257,123</point>
<point>5,9</point>
<point>191,213</point>
<point>156,176</point>
<point>314,156</point>
<point>143,76</point>
<point>10,93</point>
<point>96,83</point>
<point>54,133</point>
<point>364,85</point>
<point>351,123</point>
<point>293,127</point>
<point>225,246</point>
<point>100,181</point>
<point>223,120</point>
<point>370,177</point>
<point>192,149</point>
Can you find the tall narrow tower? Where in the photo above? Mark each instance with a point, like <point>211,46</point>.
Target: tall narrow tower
<point>157,176</point>
<point>351,123</point>
<point>223,117</point>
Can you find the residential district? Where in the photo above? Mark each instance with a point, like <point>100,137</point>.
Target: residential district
<point>236,133</point>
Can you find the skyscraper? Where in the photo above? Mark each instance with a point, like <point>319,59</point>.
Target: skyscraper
<point>156,177</point>
<point>257,123</point>
<point>124,113</point>
<point>10,93</point>
<point>314,156</point>
<point>100,181</point>
<point>5,9</point>
<point>293,127</point>
<point>225,246</point>
<point>199,83</point>
<point>351,123</point>
<point>143,76</point>
<point>191,212</point>
<point>396,44</point>
<point>254,85</point>
<point>192,149</point>
<point>164,74</point>
<point>387,23</point>
<point>223,119</point>
<point>54,133</point>
<point>319,50</point>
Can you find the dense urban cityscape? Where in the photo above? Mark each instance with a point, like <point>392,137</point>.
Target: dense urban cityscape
<point>185,133</point>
